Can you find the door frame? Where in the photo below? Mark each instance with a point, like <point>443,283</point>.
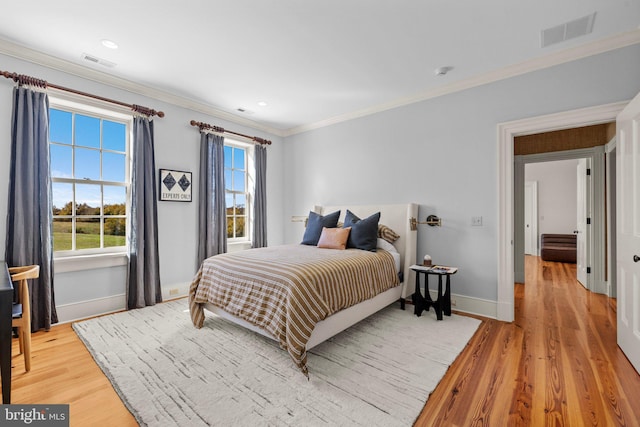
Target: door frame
<point>611,276</point>
<point>532,202</point>
<point>506,169</point>
<point>595,207</point>
<point>584,206</point>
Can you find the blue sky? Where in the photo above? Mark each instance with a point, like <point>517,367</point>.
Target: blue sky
<point>234,180</point>
<point>86,147</point>
<point>87,157</point>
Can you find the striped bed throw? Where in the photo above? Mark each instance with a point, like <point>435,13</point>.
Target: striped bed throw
<point>285,290</point>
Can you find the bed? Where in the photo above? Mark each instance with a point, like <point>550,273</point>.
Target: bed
<point>300,319</point>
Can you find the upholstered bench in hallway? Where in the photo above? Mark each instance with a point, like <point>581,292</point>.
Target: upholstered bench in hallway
<point>558,247</point>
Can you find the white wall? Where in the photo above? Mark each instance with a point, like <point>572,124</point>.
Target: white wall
<point>439,153</point>
<point>557,198</point>
<point>90,292</point>
<point>442,154</point>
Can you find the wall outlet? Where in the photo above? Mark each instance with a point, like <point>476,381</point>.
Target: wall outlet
<point>476,221</point>
<point>173,291</point>
<point>453,302</point>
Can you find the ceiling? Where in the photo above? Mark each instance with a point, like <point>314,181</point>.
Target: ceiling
<point>311,62</point>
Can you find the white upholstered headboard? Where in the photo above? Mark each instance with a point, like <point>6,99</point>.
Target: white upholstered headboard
<point>398,218</point>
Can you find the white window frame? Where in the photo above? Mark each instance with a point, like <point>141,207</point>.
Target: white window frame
<point>72,260</point>
<point>249,189</point>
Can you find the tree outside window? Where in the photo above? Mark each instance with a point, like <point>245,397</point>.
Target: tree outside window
<point>236,191</point>
<point>90,180</point>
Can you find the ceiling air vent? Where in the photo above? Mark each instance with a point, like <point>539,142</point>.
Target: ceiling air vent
<point>96,60</point>
<point>568,30</point>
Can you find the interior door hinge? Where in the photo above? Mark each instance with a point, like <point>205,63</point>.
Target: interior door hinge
<point>588,270</point>
<point>588,221</point>
<point>589,171</point>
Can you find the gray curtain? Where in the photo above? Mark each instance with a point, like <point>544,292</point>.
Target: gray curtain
<point>212,216</point>
<point>29,214</point>
<point>260,199</point>
<point>143,278</point>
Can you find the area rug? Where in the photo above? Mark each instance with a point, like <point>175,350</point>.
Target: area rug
<point>379,372</point>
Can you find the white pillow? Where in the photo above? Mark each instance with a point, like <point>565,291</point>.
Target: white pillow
<point>383,244</point>
<point>386,246</point>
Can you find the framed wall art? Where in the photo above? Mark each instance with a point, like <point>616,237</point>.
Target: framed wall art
<point>175,186</point>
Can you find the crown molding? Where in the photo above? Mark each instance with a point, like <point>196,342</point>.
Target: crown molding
<point>556,58</point>
<point>27,54</point>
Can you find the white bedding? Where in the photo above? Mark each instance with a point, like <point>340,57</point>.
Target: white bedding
<point>403,251</point>
<point>384,245</point>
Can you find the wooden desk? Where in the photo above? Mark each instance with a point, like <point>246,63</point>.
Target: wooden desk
<point>6,302</point>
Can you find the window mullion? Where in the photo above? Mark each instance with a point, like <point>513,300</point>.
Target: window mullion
<point>101,219</point>
<point>73,233</point>
<point>92,192</point>
<point>239,200</point>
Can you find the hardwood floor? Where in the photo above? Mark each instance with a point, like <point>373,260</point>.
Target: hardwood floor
<point>63,371</point>
<point>556,364</point>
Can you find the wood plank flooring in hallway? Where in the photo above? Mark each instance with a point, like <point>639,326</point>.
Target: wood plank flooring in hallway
<point>557,364</point>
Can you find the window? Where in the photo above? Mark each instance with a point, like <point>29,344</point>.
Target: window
<point>89,150</point>
<point>237,194</point>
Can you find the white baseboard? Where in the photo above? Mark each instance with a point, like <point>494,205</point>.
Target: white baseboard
<point>177,290</point>
<point>96,307</point>
<point>471,305</point>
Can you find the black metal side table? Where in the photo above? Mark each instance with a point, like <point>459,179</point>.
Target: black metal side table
<point>442,304</point>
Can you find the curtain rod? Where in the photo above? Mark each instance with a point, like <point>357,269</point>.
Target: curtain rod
<point>22,79</point>
<point>207,126</point>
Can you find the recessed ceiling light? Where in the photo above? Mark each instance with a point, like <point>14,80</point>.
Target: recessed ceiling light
<point>110,44</point>
<point>262,104</point>
<point>442,70</point>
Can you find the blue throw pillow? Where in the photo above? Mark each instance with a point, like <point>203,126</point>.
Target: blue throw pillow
<point>314,226</point>
<point>364,232</point>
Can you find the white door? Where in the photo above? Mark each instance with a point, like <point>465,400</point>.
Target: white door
<point>628,223</point>
<point>581,222</point>
<point>531,218</point>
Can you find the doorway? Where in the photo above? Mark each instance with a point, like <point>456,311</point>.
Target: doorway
<point>561,204</point>
<point>593,233</point>
<point>507,170</point>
